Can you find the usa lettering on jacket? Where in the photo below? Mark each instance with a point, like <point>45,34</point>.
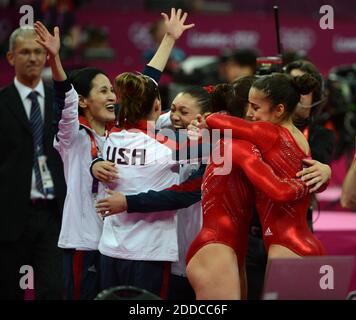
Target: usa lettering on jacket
<point>125,156</point>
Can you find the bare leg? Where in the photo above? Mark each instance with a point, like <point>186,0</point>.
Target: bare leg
<point>278,251</point>
<point>214,273</point>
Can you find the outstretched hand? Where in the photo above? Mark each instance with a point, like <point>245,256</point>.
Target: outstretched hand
<point>114,204</point>
<point>49,42</point>
<point>175,24</point>
<point>315,175</point>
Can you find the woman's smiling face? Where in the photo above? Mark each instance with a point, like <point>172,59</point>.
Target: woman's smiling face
<point>184,109</point>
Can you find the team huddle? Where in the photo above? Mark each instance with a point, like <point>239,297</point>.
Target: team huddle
<point>148,203</point>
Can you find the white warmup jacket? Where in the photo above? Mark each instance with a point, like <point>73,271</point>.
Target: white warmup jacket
<point>144,164</point>
<point>81,225</point>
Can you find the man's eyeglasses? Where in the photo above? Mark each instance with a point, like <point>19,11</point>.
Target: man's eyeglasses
<point>27,53</point>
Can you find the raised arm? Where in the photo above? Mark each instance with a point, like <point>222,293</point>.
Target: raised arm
<point>175,28</point>
<point>247,156</point>
<point>52,44</point>
<point>260,133</point>
<point>66,98</point>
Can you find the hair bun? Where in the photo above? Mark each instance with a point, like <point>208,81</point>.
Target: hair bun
<point>305,83</point>
<point>222,96</point>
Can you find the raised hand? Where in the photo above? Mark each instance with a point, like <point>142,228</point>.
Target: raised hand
<point>51,43</point>
<point>175,24</point>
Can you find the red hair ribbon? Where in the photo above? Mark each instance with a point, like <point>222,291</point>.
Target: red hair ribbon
<point>209,89</point>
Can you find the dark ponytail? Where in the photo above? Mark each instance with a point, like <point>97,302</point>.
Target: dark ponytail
<point>232,98</point>
<point>305,84</point>
<point>242,88</point>
<point>221,98</point>
<point>307,67</point>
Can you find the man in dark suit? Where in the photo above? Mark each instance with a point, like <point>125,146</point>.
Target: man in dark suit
<point>32,186</point>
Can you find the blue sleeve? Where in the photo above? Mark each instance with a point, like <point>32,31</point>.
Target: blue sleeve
<point>92,164</point>
<point>60,89</point>
<point>173,198</point>
<point>152,72</point>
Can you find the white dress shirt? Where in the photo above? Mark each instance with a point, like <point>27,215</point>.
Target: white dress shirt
<point>24,91</point>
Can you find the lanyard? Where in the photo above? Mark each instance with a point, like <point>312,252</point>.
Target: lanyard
<point>94,155</point>
<point>306,132</point>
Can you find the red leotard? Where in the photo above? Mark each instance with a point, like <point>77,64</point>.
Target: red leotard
<point>228,199</point>
<point>283,223</point>
<point>227,210</point>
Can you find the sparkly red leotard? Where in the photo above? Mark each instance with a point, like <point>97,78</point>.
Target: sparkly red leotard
<point>228,199</point>
<point>227,210</point>
<point>283,223</point>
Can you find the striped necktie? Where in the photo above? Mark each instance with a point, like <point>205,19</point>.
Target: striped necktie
<point>37,136</point>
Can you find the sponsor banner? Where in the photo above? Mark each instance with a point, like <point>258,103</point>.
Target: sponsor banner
<point>129,37</point>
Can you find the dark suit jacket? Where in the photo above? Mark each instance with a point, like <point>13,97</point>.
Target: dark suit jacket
<point>16,161</point>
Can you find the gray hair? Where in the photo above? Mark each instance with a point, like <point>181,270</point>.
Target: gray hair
<point>20,32</point>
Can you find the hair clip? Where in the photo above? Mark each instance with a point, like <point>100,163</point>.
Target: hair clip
<point>209,89</point>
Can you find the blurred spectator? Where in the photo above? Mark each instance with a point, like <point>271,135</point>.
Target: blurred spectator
<point>238,63</point>
<point>308,111</point>
<point>57,13</point>
<point>61,13</point>
<point>289,56</point>
<point>96,43</point>
<point>159,5</point>
<point>5,3</point>
<point>185,5</point>
<point>197,6</point>
<point>340,114</point>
